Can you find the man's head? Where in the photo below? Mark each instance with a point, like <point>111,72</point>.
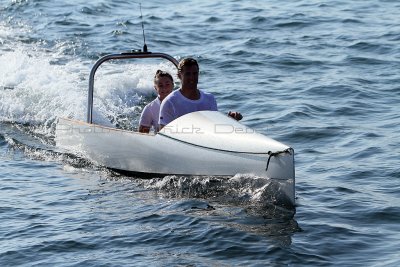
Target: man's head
<point>187,62</point>
<point>188,73</point>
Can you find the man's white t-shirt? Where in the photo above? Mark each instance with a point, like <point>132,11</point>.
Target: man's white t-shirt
<point>176,105</point>
<point>150,114</point>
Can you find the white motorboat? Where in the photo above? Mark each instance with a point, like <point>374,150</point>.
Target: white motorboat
<point>203,143</point>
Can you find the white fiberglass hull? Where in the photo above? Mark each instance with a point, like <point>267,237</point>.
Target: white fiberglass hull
<point>200,143</point>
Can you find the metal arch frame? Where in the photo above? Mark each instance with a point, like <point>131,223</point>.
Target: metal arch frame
<point>127,55</point>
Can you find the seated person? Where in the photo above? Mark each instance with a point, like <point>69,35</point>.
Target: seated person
<point>163,84</point>
<point>188,98</point>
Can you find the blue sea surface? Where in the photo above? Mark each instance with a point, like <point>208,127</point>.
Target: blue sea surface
<point>320,76</point>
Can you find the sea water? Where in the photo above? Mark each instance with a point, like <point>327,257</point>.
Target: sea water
<point>321,76</point>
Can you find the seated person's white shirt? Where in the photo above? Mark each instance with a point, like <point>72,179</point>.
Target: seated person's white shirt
<point>176,105</point>
<point>150,114</point>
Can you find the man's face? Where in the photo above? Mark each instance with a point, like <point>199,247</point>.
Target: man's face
<point>189,76</point>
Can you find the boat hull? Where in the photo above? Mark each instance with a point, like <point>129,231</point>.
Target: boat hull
<point>172,153</point>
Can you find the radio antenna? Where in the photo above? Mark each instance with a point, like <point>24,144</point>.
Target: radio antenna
<point>144,37</point>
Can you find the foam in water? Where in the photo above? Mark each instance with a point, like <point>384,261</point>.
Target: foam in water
<point>35,90</point>
<point>243,189</point>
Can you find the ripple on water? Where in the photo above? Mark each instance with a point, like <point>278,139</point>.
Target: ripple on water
<point>372,47</point>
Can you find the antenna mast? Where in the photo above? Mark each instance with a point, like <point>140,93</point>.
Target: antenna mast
<point>144,37</point>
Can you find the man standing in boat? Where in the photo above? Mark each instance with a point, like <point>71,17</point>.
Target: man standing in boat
<point>188,98</point>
